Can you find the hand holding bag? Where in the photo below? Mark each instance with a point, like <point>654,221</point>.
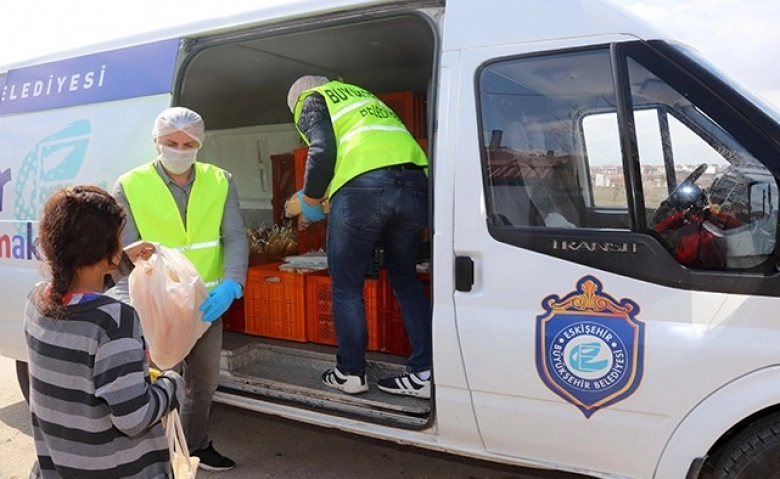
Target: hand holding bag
<point>184,466</point>
<point>166,291</point>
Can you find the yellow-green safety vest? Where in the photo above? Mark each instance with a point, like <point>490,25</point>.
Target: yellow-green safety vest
<point>158,220</point>
<point>369,135</point>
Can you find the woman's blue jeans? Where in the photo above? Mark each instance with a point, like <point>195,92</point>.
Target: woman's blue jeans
<point>391,204</point>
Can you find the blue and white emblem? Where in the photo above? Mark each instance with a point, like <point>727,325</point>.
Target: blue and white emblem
<point>53,163</point>
<point>590,347</point>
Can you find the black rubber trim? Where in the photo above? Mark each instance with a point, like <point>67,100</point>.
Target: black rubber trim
<point>636,255</point>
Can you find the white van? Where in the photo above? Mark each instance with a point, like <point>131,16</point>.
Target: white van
<point>603,230</point>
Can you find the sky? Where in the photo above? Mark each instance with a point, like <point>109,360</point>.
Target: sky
<point>741,37</point>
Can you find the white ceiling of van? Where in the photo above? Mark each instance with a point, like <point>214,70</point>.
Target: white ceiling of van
<point>245,82</point>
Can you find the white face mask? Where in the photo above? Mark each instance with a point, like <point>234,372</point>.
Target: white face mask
<point>177,161</point>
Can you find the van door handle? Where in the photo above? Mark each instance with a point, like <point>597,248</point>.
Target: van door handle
<point>464,273</point>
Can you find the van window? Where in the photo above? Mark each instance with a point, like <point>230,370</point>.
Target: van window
<point>553,158</point>
<point>656,132</point>
<point>534,164</point>
<point>697,180</point>
<point>605,164</point>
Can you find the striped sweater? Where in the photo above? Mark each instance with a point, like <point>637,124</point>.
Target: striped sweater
<point>95,413</point>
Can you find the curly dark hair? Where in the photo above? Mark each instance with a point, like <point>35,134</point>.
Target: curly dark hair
<point>80,227</point>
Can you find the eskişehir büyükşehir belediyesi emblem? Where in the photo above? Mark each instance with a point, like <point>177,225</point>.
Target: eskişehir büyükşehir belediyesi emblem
<point>590,347</point>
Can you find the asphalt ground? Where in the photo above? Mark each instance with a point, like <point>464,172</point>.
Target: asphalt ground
<point>271,447</point>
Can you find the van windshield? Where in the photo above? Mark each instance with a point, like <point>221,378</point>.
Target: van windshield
<point>771,110</point>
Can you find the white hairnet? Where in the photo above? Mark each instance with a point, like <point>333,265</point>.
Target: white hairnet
<point>303,83</point>
<point>179,119</point>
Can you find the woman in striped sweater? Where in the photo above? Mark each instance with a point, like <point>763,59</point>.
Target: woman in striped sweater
<point>95,412</point>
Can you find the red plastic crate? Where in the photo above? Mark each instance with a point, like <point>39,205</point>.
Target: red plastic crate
<point>314,236</point>
<point>319,317</point>
<point>274,303</point>
<point>392,332</point>
<point>233,319</point>
<point>410,108</point>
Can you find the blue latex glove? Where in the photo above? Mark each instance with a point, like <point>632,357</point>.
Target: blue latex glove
<point>220,299</point>
<point>311,214</point>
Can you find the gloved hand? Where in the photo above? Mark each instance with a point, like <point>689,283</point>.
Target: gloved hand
<point>220,299</point>
<point>311,214</point>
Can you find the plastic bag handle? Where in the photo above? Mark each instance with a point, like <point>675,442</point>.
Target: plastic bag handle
<point>176,440</point>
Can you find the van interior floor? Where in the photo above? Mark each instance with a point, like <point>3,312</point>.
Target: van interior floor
<point>289,373</point>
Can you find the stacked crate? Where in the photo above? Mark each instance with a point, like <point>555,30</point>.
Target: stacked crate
<point>319,317</point>
<point>274,303</point>
<point>410,108</point>
<point>313,237</point>
<point>297,307</point>
<point>287,172</point>
<point>392,332</point>
<point>233,319</point>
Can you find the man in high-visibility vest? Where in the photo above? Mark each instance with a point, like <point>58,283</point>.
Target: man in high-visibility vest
<point>375,176</point>
<point>191,206</point>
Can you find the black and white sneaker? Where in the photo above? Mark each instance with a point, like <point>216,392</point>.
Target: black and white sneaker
<point>211,460</point>
<point>406,384</point>
<point>349,383</point>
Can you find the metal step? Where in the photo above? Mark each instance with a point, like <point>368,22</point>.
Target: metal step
<point>290,373</point>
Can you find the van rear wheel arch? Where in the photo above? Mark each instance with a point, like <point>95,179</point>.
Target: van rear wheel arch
<point>753,452</point>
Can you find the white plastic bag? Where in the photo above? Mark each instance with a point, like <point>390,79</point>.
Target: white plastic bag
<point>167,291</point>
<point>184,466</point>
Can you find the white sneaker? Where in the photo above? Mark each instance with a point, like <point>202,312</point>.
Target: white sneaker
<point>349,383</point>
<point>406,384</point>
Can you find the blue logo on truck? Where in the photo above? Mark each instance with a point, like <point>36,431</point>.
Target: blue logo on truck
<point>52,163</point>
<point>590,347</point>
